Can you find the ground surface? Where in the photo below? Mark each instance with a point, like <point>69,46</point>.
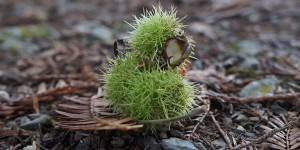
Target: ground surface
<point>51,51</point>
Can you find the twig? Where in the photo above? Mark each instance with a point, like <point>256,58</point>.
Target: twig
<point>226,138</point>
<point>62,76</point>
<point>244,100</point>
<point>269,134</point>
<point>198,123</point>
<point>207,104</point>
<point>40,140</point>
<point>36,104</point>
<point>207,143</point>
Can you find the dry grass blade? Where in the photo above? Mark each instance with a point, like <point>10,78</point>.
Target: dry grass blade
<point>286,139</point>
<point>91,114</point>
<point>12,132</point>
<point>26,103</point>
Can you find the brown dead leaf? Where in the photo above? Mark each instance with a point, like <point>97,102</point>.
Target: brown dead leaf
<point>80,113</point>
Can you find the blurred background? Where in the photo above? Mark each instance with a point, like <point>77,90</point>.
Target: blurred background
<point>219,27</point>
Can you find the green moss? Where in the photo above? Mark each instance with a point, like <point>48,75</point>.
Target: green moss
<point>47,121</point>
<point>35,31</point>
<point>243,72</point>
<point>265,89</point>
<point>146,94</point>
<point>234,48</point>
<point>152,30</point>
<point>248,73</point>
<point>41,15</point>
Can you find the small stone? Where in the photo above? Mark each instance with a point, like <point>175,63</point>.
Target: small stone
<point>9,77</point>
<point>276,107</point>
<point>218,144</point>
<point>239,117</point>
<point>103,33</point>
<point>255,17</point>
<point>231,61</point>
<point>12,45</point>
<point>33,124</point>
<point>260,88</point>
<point>227,25</point>
<point>163,135</point>
<point>200,146</point>
<point>295,43</point>
<point>250,135</point>
<point>4,96</point>
<point>12,124</point>
<point>19,46</point>
<point>176,133</point>
<point>227,121</point>
<point>30,147</point>
<point>78,136</point>
<point>249,47</point>
<point>256,105</point>
<point>177,144</point>
<point>127,137</point>
<point>198,65</point>
<point>250,63</point>
<point>240,128</point>
<point>21,120</point>
<point>41,14</point>
<point>117,142</point>
<point>150,143</point>
<point>202,28</point>
<point>256,119</point>
<point>83,144</point>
